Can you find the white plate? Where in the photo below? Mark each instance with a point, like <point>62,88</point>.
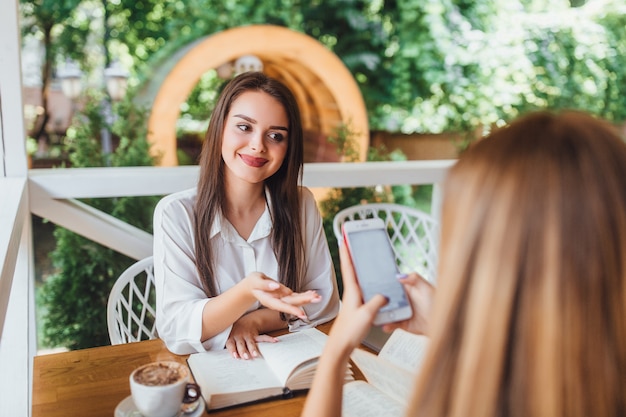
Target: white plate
<point>126,408</point>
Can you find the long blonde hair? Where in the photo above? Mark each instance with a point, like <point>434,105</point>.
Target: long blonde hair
<point>530,314</point>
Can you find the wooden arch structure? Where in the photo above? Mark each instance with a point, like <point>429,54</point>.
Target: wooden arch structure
<point>326,91</point>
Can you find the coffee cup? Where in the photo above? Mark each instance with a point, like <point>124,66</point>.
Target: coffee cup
<point>159,389</point>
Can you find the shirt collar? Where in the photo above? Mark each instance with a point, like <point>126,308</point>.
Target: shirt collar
<point>262,228</point>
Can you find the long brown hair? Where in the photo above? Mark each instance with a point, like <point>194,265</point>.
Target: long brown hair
<point>287,237</point>
<point>530,314</point>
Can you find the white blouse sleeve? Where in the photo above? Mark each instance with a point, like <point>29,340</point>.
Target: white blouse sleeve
<point>180,296</point>
<point>320,274</point>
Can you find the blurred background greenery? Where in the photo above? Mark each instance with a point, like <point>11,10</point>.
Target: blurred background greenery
<point>422,65</point>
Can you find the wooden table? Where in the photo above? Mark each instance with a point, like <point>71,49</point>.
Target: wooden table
<point>92,382</point>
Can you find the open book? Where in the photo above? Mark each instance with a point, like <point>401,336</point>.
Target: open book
<point>286,366</point>
<point>390,377</point>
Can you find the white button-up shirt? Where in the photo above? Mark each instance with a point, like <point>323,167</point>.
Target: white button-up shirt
<point>180,297</point>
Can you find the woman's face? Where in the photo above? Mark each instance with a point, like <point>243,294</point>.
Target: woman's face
<point>255,138</point>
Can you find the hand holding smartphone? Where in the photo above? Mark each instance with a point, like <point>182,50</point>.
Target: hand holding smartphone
<point>375,267</point>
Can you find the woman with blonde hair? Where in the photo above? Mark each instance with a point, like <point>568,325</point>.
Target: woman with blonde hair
<point>529,314</point>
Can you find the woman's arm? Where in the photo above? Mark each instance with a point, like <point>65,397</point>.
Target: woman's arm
<point>180,297</point>
<point>229,308</point>
<point>223,310</point>
<point>349,329</point>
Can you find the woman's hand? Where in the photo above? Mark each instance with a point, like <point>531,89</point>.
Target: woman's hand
<point>247,329</point>
<point>355,318</point>
<point>276,296</point>
<point>245,333</point>
<point>421,294</point>
<point>228,308</point>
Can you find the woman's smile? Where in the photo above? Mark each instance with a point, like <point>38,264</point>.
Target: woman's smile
<point>252,161</point>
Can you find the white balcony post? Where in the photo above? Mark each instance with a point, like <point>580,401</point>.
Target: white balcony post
<point>17,340</point>
<point>12,130</point>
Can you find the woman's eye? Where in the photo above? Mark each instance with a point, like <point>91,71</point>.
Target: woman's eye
<point>276,137</point>
<point>243,127</point>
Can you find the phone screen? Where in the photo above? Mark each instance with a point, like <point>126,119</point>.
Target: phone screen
<point>375,266</point>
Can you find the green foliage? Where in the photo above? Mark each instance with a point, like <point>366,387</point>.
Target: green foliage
<point>75,297</point>
<point>200,103</point>
<point>54,22</point>
<point>456,65</point>
<point>614,23</point>
<point>359,32</point>
<point>83,140</point>
<point>444,70</point>
<point>131,127</point>
<point>346,145</point>
<point>422,65</point>
<point>575,65</point>
<point>465,65</point>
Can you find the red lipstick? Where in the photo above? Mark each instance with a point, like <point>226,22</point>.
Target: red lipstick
<point>253,161</point>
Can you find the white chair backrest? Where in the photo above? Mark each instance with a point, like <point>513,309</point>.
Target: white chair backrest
<point>131,314</point>
<point>413,233</point>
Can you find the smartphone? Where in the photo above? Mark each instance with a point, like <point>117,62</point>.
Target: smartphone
<point>376,268</point>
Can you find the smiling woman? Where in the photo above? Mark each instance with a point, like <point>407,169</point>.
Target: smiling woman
<point>244,253</point>
<point>255,136</point>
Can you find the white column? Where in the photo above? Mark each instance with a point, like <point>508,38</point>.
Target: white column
<point>17,335</point>
<point>12,128</point>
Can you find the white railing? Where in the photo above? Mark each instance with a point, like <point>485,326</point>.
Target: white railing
<point>53,192</point>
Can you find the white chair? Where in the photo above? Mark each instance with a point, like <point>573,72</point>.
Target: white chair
<point>131,314</point>
<point>413,233</point>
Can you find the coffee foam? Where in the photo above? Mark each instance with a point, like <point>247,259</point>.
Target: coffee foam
<point>160,373</point>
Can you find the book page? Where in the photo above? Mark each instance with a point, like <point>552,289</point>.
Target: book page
<point>405,350</point>
<point>217,372</point>
<point>394,381</point>
<point>363,400</point>
<point>292,350</point>
<point>393,371</point>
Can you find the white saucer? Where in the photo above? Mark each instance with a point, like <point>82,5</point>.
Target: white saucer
<point>126,408</point>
